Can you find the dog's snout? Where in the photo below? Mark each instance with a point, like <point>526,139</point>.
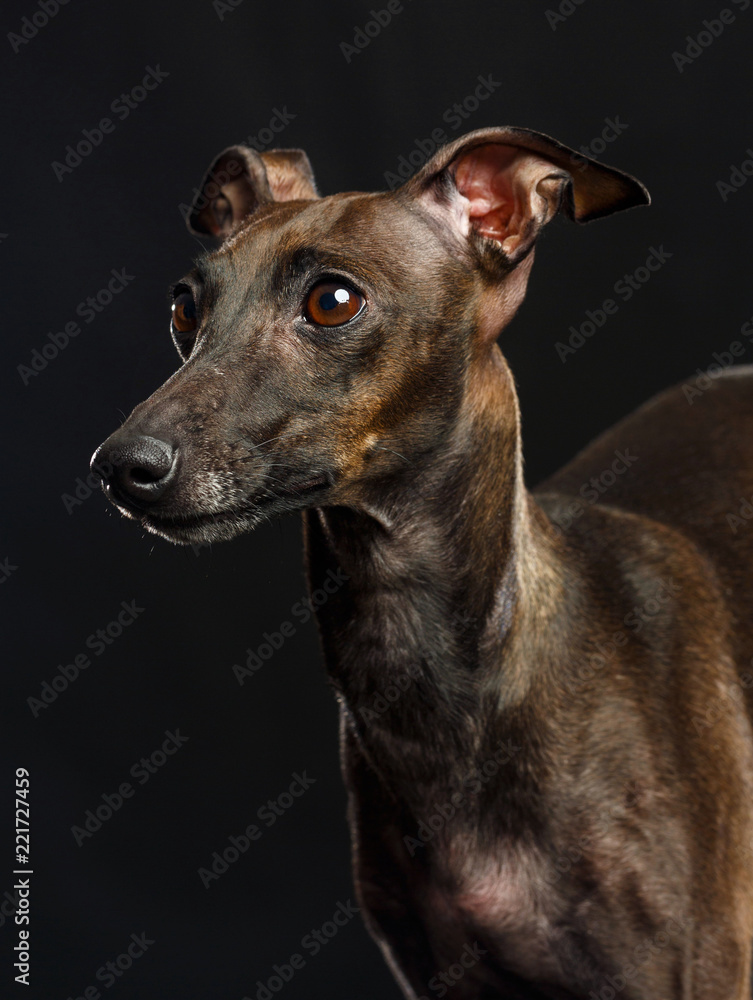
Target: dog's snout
<point>138,469</point>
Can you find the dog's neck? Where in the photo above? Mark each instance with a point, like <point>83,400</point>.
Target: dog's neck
<point>433,629</point>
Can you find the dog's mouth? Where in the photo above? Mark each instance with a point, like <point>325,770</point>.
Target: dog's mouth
<point>210,526</point>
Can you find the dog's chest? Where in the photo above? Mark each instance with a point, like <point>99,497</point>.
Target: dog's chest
<point>497,902</point>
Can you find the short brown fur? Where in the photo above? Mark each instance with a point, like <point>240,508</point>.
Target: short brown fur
<point>546,732</point>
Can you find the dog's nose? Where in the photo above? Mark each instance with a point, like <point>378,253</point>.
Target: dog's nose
<point>139,468</point>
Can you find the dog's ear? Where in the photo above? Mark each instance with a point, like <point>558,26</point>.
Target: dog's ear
<point>240,180</point>
<point>498,187</point>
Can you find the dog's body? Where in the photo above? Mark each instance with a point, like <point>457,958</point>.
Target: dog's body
<point>544,727</point>
<point>626,744</point>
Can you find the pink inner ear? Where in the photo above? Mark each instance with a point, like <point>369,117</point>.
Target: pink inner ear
<point>484,178</point>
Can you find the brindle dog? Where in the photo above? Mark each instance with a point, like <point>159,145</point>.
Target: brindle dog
<point>545,701</point>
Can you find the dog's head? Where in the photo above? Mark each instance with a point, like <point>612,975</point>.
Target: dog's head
<point>330,345</point>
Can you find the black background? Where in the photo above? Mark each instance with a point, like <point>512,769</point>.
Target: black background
<point>203,609</point>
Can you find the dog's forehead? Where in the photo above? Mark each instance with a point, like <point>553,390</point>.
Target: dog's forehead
<point>368,231</point>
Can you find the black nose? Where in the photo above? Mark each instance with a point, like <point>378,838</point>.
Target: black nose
<point>137,468</point>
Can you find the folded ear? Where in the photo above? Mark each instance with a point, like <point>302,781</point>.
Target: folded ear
<point>496,188</point>
<point>240,180</point>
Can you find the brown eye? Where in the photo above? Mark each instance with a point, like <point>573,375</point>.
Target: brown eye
<point>333,303</point>
<point>184,324</point>
<point>184,313</point>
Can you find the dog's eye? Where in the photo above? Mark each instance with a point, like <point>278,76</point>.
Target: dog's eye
<point>184,323</point>
<point>184,313</point>
<point>333,303</point>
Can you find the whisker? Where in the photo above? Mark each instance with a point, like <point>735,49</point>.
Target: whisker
<point>272,439</point>
<point>276,480</point>
<point>379,447</point>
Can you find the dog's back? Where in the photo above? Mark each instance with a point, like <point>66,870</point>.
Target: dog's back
<point>684,459</point>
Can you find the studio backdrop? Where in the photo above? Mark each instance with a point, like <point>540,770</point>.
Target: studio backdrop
<point>187,815</point>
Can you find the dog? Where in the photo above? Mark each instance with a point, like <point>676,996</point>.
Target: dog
<point>545,717</point>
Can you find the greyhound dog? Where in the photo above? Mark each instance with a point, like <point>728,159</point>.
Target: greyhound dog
<point>545,702</point>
